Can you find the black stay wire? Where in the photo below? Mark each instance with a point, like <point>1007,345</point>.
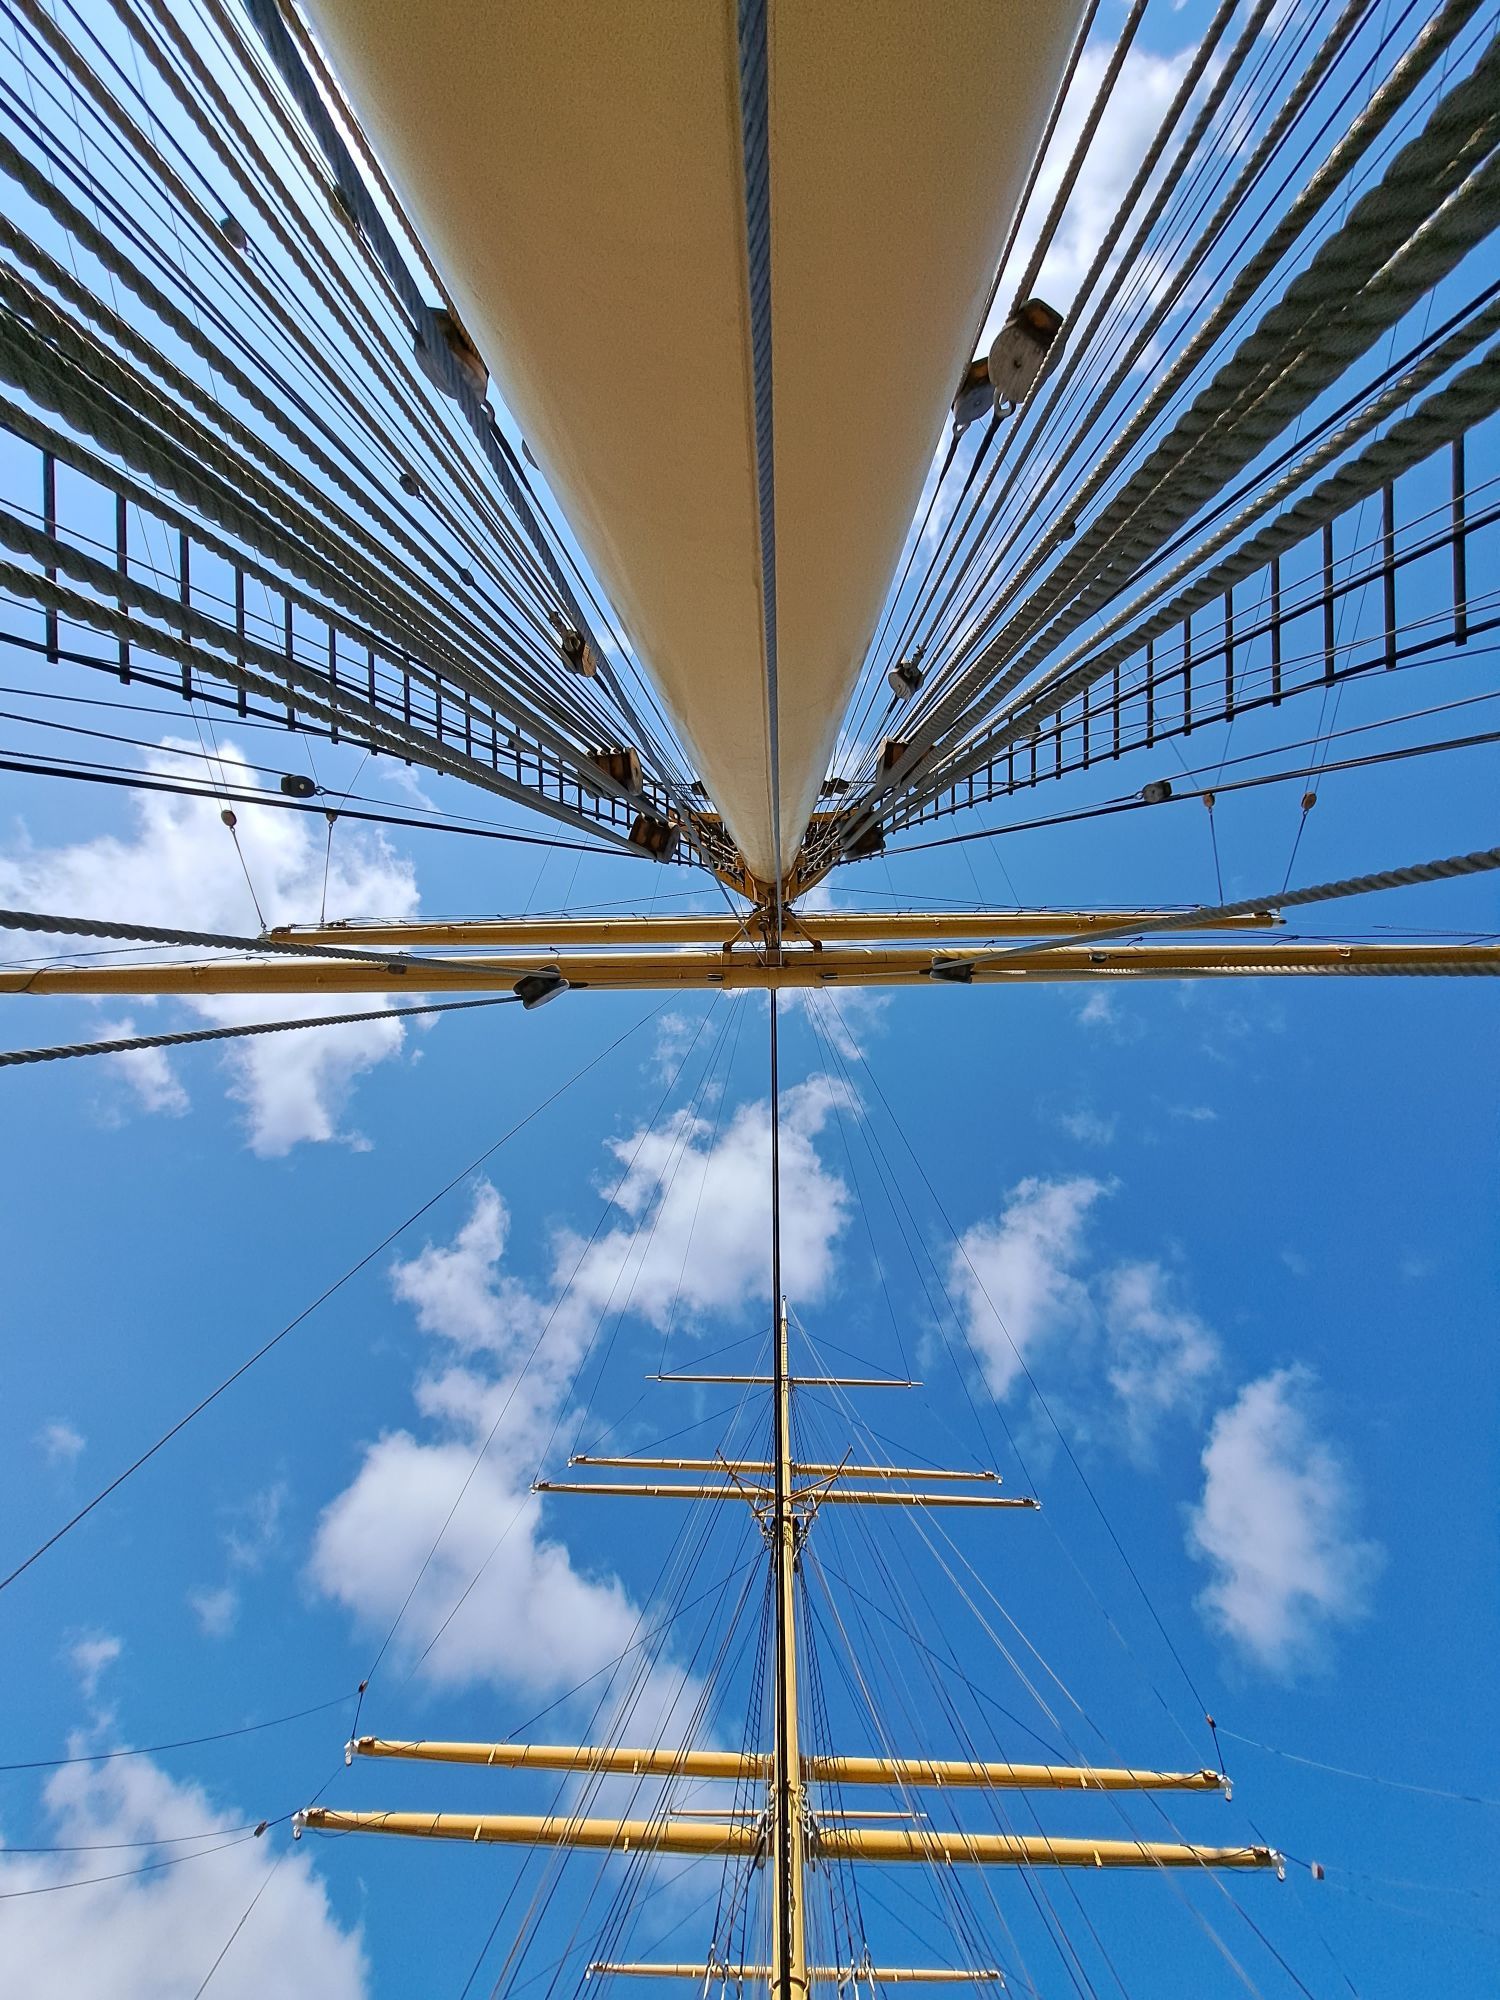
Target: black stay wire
<point>179,1743</point>
<point>308,1310</point>
<point>1044,1405</point>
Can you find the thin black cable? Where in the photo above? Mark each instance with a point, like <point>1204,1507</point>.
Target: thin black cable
<point>181,1742</point>
<point>308,1310</point>
<point>1137,804</point>
<point>34,768</point>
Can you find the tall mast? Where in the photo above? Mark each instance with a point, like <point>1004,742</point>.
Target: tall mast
<point>788,1925</point>
<point>785,1494</point>
<point>789,1929</point>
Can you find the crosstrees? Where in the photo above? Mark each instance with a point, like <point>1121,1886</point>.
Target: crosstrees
<point>799,1823</point>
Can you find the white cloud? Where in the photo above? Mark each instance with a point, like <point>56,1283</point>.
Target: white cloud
<point>1194,1114</point>
<point>1102,1012</point>
<point>148,1072</point>
<point>90,1655</point>
<point>1089,1128</point>
<point>533,1620</point>
<point>1275,1525</point>
<point>178,867</point>
<point>156,1935</point>
<point>217,1611</point>
<point>684,1191</point>
<point>60,1442</point>
<point>1162,1355</point>
<point>675,1035</point>
<point>847,1021</point>
<point>498,1384</point>
<point>1142,92</point>
<point>1017,1278</point>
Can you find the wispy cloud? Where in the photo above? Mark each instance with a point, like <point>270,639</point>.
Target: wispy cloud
<point>217,1611</point>
<point>147,1072</point>
<point>1088,1127</point>
<point>61,1443</point>
<point>1162,1355</point>
<point>90,1656</point>
<point>1032,1286</point>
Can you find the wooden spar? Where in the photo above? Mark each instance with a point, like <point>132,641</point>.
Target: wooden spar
<point>783,1822</point>
<point>801,1471</point>
<point>822,1492</point>
<point>746,1839</point>
<point>820,926</point>
<point>689,970</point>
<point>903,1773</point>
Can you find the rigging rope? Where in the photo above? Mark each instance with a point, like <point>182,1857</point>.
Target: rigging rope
<point>129,1044</point>
<point>1414,873</point>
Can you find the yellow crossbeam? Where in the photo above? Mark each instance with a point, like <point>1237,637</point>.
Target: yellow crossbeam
<point>689,970</point>
<point>761,1466</point>
<point>826,1495</point>
<point>841,1975</point>
<point>824,926</point>
<point>903,1772</point>
<point>833,1843</point>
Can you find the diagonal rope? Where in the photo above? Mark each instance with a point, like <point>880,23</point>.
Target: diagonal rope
<point>129,1044</point>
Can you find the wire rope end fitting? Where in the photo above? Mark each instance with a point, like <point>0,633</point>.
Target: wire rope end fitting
<point>952,971</point>
<point>535,989</point>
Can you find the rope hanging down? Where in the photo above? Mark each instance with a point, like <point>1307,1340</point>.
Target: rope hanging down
<point>129,1044</point>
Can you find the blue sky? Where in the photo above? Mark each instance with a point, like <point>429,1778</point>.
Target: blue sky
<point>1242,1234</point>
<point>1294,1178</point>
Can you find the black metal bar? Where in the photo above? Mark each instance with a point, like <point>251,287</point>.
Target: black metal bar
<point>1115,705</point>
<point>49,526</point>
<point>242,701</point>
<point>1460,546</point>
<point>333,683</point>
<point>1330,634</point>
<point>185,598</point>
<point>286,627</point>
<point>1187,675</point>
<point>1150,692</point>
<point>1086,693</point>
<point>1276,631</point>
<point>1229,655</point>
<point>122,565</point>
<point>1388,568</point>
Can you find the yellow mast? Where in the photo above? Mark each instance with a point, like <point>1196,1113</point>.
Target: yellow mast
<point>787,1834</point>
<point>788,1926</point>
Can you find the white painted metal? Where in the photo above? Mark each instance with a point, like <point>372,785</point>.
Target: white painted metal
<point>576,169</point>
